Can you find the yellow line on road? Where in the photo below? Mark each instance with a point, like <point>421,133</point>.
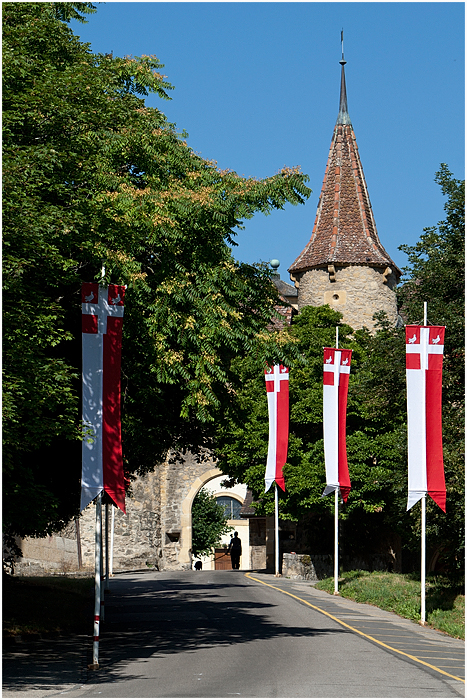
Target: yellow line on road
<point>367,636</point>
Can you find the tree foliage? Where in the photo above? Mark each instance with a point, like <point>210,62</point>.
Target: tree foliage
<point>209,523</point>
<point>376,418</point>
<point>436,275</point>
<point>93,178</point>
<point>242,441</point>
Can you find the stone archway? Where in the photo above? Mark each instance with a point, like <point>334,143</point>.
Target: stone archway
<point>180,481</point>
<point>202,480</point>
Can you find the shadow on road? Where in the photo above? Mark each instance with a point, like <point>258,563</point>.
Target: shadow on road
<point>149,615</point>
<point>45,665</point>
<point>157,618</point>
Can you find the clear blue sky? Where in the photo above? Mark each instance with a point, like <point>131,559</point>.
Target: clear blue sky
<point>257,88</point>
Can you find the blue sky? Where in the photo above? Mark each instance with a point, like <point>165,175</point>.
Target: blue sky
<point>257,88</point>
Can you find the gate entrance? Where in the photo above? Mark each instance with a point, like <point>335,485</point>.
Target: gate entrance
<point>222,561</point>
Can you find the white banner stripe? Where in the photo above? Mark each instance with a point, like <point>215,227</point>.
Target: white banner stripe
<point>432,349</point>
<point>92,478</point>
<point>330,430</point>
<point>270,474</point>
<point>343,369</point>
<point>416,429</point>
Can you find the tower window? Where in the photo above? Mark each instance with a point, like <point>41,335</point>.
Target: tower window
<point>231,507</point>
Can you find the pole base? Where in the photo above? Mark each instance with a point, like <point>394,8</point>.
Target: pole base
<point>278,575</point>
<point>336,593</point>
<point>93,667</point>
<point>422,623</point>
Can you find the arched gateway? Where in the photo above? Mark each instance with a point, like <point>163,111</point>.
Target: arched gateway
<point>180,557</point>
<point>155,532</point>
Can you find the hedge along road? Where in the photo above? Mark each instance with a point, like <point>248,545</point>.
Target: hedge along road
<point>227,634</point>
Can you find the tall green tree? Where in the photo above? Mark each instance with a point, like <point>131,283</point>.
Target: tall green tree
<point>376,421</point>
<point>94,178</point>
<point>242,441</point>
<point>209,523</point>
<point>436,275</point>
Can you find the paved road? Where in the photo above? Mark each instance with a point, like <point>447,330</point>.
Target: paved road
<point>227,634</point>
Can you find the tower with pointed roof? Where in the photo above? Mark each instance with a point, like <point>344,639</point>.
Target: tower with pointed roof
<point>344,264</point>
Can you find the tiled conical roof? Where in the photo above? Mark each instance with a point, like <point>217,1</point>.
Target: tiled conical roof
<point>345,230</point>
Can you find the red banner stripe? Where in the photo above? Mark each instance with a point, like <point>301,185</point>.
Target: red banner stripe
<point>282,431</point>
<point>412,361</point>
<point>89,323</point>
<point>434,438</point>
<point>344,478</point>
<point>111,423</point>
<point>89,293</point>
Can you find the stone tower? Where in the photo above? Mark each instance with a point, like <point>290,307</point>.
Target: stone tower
<point>344,264</point>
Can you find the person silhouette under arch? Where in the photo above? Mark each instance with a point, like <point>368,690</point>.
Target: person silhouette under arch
<point>235,549</point>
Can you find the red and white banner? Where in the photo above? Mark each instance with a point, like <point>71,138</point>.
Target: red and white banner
<point>102,461</point>
<point>277,387</point>
<point>424,369</point>
<point>336,370</point>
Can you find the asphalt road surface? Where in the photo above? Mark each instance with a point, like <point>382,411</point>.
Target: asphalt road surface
<point>226,634</point>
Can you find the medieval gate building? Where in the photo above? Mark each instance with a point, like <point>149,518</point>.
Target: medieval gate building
<point>344,265</point>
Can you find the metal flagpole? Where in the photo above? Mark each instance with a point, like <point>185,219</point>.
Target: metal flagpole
<point>107,583</point>
<point>97,585</point>
<point>423,563</point>
<point>276,522</point>
<point>336,511</point>
<point>102,569</point>
<point>423,523</point>
<point>336,542</point>
<point>112,529</point>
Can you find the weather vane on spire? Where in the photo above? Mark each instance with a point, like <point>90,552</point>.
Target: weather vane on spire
<point>342,61</point>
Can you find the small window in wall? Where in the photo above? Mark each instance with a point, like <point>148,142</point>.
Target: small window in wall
<point>172,537</point>
<point>231,507</point>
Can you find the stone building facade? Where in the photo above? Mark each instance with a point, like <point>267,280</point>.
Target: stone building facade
<point>155,532</point>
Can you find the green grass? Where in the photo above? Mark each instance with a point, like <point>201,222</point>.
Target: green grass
<point>400,593</point>
<point>47,605</point>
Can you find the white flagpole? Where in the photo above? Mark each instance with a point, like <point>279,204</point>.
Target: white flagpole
<point>336,514</point>
<point>112,529</point>
<point>423,523</point>
<point>102,570</point>
<point>423,563</point>
<point>97,584</point>
<point>107,580</point>
<point>276,538</point>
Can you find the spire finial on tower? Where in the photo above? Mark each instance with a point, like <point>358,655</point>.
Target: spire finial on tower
<point>343,117</point>
<point>342,61</point>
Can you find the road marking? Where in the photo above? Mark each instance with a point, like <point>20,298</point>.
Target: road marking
<point>353,629</point>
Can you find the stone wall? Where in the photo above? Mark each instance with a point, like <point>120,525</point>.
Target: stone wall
<point>257,543</point>
<point>307,567</point>
<point>49,555</point>
<point>154,532</point>
<point>314,567</point>
<point>356,291</point>
<point>137,537</point>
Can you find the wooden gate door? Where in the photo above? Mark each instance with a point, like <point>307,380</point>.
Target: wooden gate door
<point>222,560</point>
